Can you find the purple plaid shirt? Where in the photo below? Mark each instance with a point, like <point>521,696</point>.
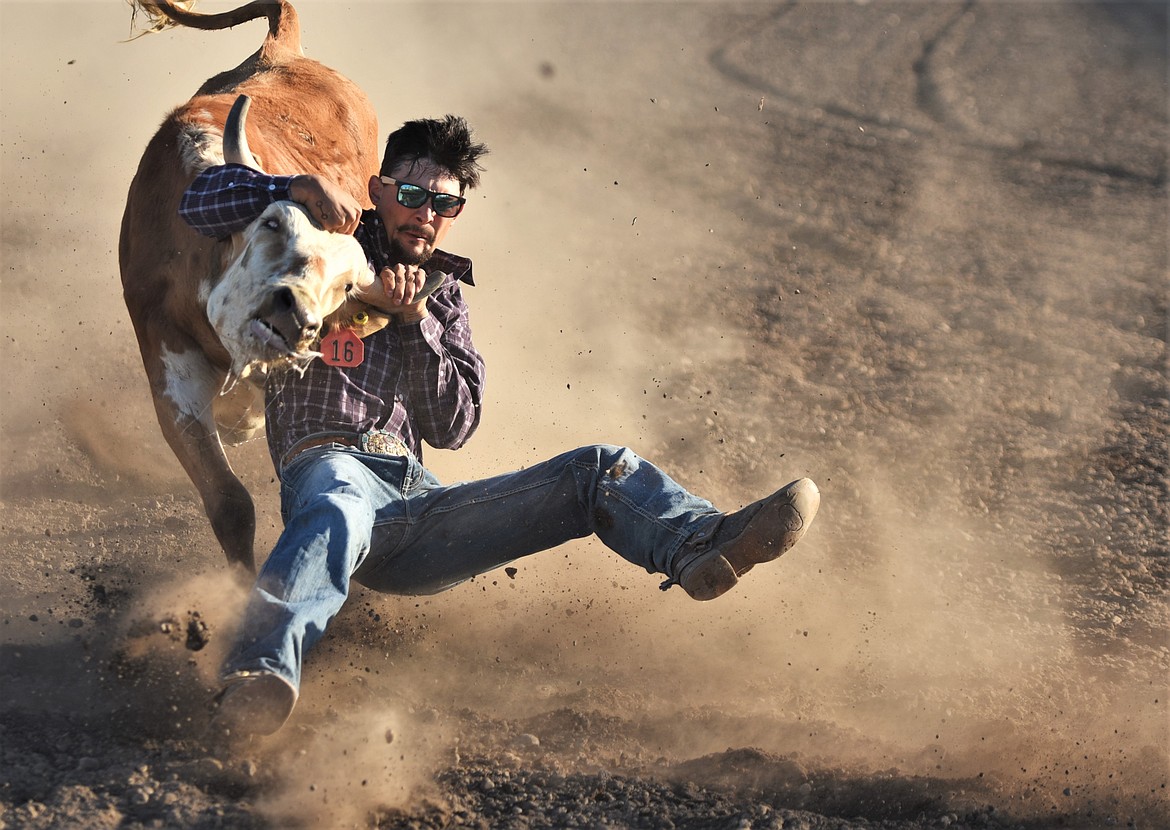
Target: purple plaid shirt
<point>419,381</point>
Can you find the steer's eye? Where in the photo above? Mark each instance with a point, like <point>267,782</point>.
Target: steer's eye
<point>272,224</point>
<point>348,287</point>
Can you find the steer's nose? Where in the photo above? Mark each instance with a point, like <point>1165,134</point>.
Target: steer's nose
<point>295,322</point>
<point>283,299</point>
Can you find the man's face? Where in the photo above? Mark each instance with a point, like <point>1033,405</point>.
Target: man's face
<point>413,233</point>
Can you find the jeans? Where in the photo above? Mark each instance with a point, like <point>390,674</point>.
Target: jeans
<point>387,523</point>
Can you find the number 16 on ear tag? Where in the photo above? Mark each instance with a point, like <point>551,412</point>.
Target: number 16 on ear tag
<point>342,347</point>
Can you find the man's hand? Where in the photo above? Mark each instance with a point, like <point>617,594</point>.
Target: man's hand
<point>394,292</point>
<point>330,206</point>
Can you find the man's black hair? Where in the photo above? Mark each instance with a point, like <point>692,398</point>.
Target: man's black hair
<point>446,142</point>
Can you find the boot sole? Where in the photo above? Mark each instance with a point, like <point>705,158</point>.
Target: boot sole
<point>253,706</point>
<point>780,524</point>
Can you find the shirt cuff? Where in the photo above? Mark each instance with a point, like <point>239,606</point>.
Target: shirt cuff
<point>427,330</point>
<point>279,188</point>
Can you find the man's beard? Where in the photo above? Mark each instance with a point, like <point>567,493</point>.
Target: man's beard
<point>400,255</point>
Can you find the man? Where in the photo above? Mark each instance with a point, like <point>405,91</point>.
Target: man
<point>346,440</point>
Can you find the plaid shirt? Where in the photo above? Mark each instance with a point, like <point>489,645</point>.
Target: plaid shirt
<point>419,381</point>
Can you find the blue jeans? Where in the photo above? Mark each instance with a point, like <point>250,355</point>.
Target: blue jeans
<point>387,523</point>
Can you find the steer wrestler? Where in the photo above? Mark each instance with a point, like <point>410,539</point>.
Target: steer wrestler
<point>346,438</point>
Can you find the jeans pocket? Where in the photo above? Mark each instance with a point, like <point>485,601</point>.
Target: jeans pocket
<point>300,477</point>
<point>413,475</point>
<point>288,496</point>
<point>393,471</point>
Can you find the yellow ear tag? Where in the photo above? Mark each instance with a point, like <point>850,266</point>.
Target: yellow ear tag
<point>361,318</point>
<point>342,347</point>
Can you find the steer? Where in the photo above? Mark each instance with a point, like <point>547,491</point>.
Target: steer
<point>214,317</point>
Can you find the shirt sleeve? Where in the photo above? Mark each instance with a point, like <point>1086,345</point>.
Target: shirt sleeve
<point>227,198</point>
<point>443,371</point>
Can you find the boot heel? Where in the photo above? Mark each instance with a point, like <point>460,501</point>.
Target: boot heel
<point>710,579</point>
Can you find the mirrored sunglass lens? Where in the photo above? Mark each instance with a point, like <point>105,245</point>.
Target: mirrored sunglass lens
<point>411,195</point>
<point>446,205</point>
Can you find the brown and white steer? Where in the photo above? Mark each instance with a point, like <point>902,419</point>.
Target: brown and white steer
<point>212,317</point>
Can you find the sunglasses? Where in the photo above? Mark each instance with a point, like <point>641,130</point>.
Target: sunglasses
<point>412,196</point>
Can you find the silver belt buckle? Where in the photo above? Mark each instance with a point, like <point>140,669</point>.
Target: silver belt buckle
<point>382,443</point>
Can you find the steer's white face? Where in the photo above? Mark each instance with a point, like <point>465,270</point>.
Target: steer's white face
<point>286,276</point>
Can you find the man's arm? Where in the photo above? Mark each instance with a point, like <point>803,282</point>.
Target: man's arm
<point>227,198</point>
<point>444,373</point>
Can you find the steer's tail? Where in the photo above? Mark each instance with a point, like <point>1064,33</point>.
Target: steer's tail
<point>284,29</point>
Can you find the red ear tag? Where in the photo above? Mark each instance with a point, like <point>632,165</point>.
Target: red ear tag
<point>342,347</point>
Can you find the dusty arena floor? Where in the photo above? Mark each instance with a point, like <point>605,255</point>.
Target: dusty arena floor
<point>916,251</point>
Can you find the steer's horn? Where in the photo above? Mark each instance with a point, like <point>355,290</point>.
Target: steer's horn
<point>235,142</point>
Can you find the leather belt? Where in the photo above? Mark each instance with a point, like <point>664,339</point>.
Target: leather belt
<point>375,441</point>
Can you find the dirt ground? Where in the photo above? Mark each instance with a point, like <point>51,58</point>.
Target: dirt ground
<point>916,251</point>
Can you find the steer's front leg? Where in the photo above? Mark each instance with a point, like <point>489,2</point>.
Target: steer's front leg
<point>184,385</point>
